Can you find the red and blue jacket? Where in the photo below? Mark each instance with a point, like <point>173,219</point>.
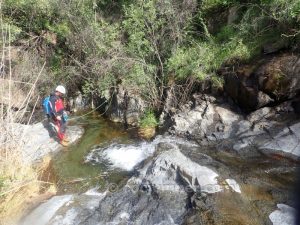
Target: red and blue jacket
<point>57,105</point>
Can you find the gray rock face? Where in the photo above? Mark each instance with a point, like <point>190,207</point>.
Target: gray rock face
<point>65,209</point>
<point>163,191</point>
<point>270,130</point>
<point>78,102</point>
<point>267,129</point>
<point>36,141</point>
<point>284,215</point>
<point>180,184</point>
<point>126,107</point>
<point>205,121</point>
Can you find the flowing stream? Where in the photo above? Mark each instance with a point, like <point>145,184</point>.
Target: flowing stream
<point>92,177</point>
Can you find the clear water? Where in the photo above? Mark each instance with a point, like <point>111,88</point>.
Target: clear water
<point>107,153</point>
<point>73,174</point>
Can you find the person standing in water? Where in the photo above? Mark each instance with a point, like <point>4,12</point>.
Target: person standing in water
<point>58,115</point>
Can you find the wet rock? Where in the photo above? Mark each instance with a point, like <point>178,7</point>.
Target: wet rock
<point>287,140</point>
<point>78,102</point>
<point>126,107</point>
<point>140,206</point>
<point>65,209</point>
<point>270,130</point>
<point>44,141</point>
<point>284,215</point>
<point>50,206</point>
<point>159,194</point>
<point>269,80</point>
<point>172,171</point>
<point>206,121</point>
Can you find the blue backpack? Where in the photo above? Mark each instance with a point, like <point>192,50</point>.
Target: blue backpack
<point>47,106</point>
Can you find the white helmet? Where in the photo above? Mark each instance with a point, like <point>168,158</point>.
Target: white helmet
<point>61,89</point>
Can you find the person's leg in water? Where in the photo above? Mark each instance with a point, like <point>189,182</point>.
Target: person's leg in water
<point>61,129</point>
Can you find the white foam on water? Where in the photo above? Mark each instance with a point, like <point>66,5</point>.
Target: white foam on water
<point>127,156</point>
<point>94,192</point>
<point>234,185</point>
<point>284,215</point>
<point>46,211</point>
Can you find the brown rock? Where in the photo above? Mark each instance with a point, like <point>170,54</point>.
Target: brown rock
<point>262,82</point>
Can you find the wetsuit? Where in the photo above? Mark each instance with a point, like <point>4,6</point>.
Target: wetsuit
<point>57,109</point>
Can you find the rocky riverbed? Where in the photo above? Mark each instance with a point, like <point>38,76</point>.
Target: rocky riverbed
<point>38,140</point>
<point>177,181</point>
<point>215,165</point>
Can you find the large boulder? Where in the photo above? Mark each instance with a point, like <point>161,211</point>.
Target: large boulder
<point>77,102</point>
<point>162,191</point>
<point>205,119</point>
<point>284,215</point>
<point>271,130</point>
<point>126,107</point>
<point>38,140</point>
<point>267,81</point>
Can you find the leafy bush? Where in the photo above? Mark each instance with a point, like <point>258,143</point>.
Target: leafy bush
<point>30,15</point>
<point>148,120</point>
<point>14,31</point>
<point>208,4</point>
<point>145,44</point>
<point>201,61</point>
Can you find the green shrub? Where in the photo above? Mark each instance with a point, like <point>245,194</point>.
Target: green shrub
<point>15,32</point>
<point>148,120</point>
<point>208,4</point>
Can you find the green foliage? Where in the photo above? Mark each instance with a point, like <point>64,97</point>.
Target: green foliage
<point>148,120</point>
<point>217,81</point>
<point>31,15</point>
<point>10,31</point>
<point>192,61</point>
<point>135,25</point>
<point>140,77</point>
<point>202,60</point>
<point>144,44</point>
<point>208,4</point>
<point>62,29</point>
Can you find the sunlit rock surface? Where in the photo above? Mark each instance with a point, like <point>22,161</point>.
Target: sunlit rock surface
<point>38,140</point>
<point>284,215</point>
